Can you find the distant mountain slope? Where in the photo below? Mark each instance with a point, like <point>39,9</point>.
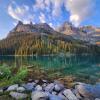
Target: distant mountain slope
<point>86,33</point>
<point>41,39</point>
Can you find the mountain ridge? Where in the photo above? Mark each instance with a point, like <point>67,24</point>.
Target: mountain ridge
<point>41,39</point>
<point>88,33</point>
<point>32,28</point>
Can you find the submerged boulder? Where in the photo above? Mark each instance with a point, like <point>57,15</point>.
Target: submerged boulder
<point>37,95</point>
<point>18,96</point>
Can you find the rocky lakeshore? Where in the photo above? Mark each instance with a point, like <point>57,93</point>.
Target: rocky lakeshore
<point>46,90</point>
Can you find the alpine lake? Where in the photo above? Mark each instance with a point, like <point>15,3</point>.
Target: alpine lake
<point>80,66</point>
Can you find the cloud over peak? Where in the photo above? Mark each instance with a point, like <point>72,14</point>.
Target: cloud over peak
<point>50,10</point>
<point>79,10</point>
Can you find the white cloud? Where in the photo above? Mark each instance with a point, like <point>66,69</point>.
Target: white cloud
<point>42,18</point>
<point>46,4</point>
<point>21,13</point>
<point>51,25</point>
<point>18,11</point>
<point>79,10</point>
<point>57,7</point>
<point>12,13</point>
<point>39,4</point>
<point>42,5</point>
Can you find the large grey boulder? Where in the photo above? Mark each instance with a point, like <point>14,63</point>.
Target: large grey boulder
<point>97,99</point>
<point>12,88</point>
<point>29,86</point>
<point>44,85</point>
<point>38,95</point>
<point>85,90</point>
<point>54,97</point>
<point>36,81</point>
<point>69,95</point>
<point>38,88</point>
<point>20,89</point>
<point>58,87</point>
<point>77,94</point>
<point>62,96</point>
<point>1,90</point>
<point>50,87</point>
<point>89,91</point>
<point>18,96</point>
<point>54,93</point>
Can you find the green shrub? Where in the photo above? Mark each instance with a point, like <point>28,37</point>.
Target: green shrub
<point>20,76</point>
<point>7,76</point>
<point>5,72</point>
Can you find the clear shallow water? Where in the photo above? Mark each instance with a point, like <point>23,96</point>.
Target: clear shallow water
<point>79,66</point>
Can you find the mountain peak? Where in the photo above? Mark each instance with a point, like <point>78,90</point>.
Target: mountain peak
<point>67,23</point>
<point>66,28</point>
<point>43,25</point>
<point>20,23</point>
<point>31,23</point>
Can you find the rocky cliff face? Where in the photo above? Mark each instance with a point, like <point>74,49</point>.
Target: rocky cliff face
<point>32,28</point>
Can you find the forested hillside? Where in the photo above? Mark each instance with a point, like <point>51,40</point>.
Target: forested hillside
<point>29,44</point>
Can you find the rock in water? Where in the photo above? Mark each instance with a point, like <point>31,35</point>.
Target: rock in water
<point>37,95</point>
<point>18,96</point>
<point>12,88</point>
<point>69,94</point>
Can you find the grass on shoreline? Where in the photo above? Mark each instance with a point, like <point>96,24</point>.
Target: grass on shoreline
<point>10,75</point>
<point>13,75</point>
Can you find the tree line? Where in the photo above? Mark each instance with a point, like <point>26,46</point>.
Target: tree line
<point>29,44</point>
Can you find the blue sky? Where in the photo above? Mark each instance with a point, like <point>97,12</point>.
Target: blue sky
<point>53,12</point>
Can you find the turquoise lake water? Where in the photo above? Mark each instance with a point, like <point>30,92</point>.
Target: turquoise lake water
<point>87,66</point>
